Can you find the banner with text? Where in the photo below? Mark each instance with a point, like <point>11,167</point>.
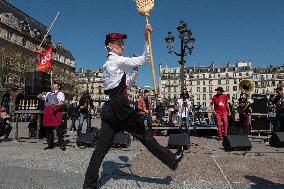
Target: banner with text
<point>44,59</point>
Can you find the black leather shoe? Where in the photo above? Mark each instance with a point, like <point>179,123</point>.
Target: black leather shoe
<point>63,148</point>
<point>178,157</point>
<point>47,148</point>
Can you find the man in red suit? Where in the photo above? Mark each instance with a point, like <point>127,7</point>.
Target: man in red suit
<point>221,110</point>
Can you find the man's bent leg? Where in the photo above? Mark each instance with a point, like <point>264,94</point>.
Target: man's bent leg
<point>135,128</point>
<point>103,145</point>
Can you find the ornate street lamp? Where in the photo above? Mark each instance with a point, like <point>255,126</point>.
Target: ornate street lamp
<point>186,46</point>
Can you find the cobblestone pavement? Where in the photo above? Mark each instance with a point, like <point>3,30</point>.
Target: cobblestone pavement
<point>205,165</point>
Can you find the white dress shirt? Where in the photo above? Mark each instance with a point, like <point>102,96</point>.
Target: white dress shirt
<point>60,96</point>
<point>115,67</point>
<point>183,111</point>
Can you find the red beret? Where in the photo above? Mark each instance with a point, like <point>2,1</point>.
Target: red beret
<point>114,36</point>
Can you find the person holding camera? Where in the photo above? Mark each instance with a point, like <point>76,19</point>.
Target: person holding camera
<point>278,107</point>
<point>73,113</point>
<point>160,110</point>
<point>184,107</point>
<point>144,108</point>
<point>86,111</point>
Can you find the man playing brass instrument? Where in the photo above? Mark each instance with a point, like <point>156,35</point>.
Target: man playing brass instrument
<point>245,111</point>
<point>278,106</point>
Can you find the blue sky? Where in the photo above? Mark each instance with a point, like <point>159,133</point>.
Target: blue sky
<point>225,30</point>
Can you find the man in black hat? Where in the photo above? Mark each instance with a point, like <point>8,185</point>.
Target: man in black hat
<point>221,111</point>
<point>117,115</point>
<point>278,106</point>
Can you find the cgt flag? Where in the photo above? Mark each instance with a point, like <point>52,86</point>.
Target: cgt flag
<point>44,59</point>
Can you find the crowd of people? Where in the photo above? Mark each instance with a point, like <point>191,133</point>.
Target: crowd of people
<point>183,115</point>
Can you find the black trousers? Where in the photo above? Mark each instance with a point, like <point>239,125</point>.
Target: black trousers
<point>50,136</point>
<point>108,129</point>
<point>72,126</point>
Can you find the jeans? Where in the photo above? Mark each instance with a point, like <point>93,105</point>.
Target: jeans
<point>149,122</point>
<point>83,117</point>
<point>180,123</point>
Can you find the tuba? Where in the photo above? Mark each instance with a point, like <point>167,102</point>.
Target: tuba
<point>246,86</point>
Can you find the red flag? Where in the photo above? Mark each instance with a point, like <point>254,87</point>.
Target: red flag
<point>44,59</point>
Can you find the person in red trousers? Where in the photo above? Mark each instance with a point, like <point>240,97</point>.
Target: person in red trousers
<point>221,111</point>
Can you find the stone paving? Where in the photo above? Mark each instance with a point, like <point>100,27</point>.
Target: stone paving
<point>26,165</point>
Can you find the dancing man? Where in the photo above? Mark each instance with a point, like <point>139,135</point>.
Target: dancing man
<point>117,115</point>
<point>221,111</point>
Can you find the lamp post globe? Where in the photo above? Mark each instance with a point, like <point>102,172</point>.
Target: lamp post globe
<point>170,41</point>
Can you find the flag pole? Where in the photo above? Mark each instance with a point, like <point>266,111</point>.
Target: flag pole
<point>49,29</point>
<point>38,49</point>
<point>51,78</point>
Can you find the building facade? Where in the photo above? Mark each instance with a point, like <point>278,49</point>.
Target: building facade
<point>64,70</point>
<point>201,81</point>
<point>20,36</point>
<point>91,80</point>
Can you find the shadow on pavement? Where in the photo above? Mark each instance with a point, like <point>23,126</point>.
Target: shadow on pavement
<point>261,183</point>
<point>111,170</point>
